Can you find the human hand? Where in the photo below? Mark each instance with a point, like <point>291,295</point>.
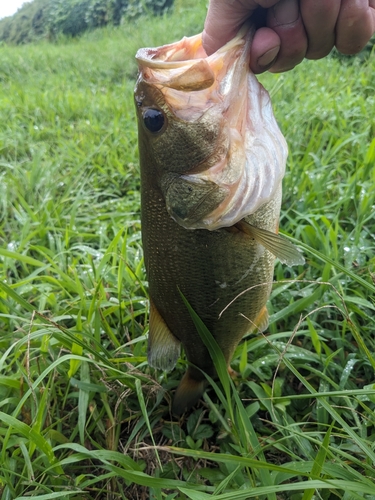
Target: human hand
<point>290,30</point>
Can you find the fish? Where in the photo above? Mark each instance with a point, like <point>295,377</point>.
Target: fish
<point>212,159</point>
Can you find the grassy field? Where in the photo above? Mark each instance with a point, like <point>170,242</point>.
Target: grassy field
<point>82,416</point>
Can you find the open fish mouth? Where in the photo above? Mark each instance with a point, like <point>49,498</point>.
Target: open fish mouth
<point>246,169</point>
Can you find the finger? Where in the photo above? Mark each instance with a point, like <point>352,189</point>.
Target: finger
<point>223,21</point>
<point>285,19</point>
<point>355,25</point>
<point>264,50</point>
<point>319,18</point>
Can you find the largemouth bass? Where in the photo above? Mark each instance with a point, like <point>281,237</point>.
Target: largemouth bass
<point>212,161</point>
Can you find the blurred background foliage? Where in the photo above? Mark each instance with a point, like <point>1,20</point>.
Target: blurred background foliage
<point>50,18</point>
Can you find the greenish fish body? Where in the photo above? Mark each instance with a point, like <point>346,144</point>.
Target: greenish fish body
<point>212,160</point>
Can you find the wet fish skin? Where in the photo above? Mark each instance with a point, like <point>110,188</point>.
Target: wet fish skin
<point>220,266</point>
<point>188,170</point>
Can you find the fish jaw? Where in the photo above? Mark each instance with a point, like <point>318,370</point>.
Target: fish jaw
<point>246,157</point>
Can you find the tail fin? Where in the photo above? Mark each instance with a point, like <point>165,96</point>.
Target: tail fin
<point>188,392</point>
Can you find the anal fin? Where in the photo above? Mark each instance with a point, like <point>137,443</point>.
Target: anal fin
<point>281,248</point>
<point>163,348</point>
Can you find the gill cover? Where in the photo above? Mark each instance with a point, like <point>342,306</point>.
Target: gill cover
<point>248,165</point>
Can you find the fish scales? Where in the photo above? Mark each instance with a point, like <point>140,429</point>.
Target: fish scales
<point>212,160</point>
<point>219,267</point>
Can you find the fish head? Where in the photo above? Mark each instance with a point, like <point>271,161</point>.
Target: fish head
<point>207,134</point>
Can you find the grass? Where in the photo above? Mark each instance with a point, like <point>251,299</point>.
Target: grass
<point>81,413</point>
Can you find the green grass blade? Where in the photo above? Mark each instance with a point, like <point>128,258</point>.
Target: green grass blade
<point>83,400</point>
<point>369,286</point>
<point>246,430</point>
<point>34,437</point>
<point>318,463</point>
<point>145,416</point>
<point>51,496</point>
<point>216,353</point>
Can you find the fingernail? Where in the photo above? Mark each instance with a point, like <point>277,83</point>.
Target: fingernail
<point>286,12</point>
<point>268,58</point>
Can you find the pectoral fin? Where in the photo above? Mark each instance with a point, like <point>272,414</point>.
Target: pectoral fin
<point>281,248</point>
<point>163,347</point>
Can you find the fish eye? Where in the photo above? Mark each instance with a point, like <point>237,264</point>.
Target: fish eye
<point>153,119</point>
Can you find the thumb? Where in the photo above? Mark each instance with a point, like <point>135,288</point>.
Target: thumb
<point>223,22</point>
